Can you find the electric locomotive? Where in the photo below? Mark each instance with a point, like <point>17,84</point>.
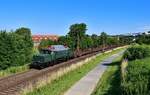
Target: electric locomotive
<point>50,56</point>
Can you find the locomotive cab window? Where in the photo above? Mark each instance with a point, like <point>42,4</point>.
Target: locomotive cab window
<point>45,52</point>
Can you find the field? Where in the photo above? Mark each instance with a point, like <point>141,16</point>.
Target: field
<point>64,82</point>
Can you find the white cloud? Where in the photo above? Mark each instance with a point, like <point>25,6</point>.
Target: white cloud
<point>144,28</point>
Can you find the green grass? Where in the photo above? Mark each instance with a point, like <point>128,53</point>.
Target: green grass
<point>61,84</point>
<point>109,84</point>
<point>137,78</point>
<point>135,82</point>
<point>13,70</point>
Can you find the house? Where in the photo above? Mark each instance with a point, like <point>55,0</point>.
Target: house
<point>38,38</point>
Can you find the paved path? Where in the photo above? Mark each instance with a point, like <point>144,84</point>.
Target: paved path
<point>87,84</point>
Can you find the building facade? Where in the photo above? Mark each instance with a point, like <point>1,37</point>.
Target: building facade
<point>38,38</point>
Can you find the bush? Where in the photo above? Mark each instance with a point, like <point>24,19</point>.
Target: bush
<point>137,52</point>
<point>137,79</point>
<point>16,48</point>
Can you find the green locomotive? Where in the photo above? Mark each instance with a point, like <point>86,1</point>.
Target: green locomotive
<point>49,56</point>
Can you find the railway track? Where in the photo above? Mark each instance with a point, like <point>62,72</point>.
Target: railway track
<point>13,84</point>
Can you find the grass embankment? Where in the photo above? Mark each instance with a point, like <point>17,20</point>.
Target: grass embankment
<point>59,85</point>
<point>13,70</point>
<point>109,84</point>
<point>136,80</point>
<point>17,69</point>
<point>136,75</point>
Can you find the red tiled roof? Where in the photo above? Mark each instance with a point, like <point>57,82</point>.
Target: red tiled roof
<point>38,38</point>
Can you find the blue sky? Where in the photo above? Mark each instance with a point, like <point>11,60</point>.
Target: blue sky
<point>55,16</point>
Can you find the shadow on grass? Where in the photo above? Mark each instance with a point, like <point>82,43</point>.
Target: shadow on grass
<point>112,64</point>
<point>115,81</point>
<point>112,83</point>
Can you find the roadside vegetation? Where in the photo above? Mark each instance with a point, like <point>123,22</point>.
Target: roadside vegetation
<point>137,52</point>
<point>59,85</point>
<point>129,76</point>
<point>109,84</point>
<point>137,78</point>
<point>136,75</point>
<point>135,71</point>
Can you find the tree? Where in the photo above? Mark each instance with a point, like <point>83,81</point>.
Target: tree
<point>89,42</point>
<point>103,39</point>
<point>4,49</point>
<point>143,39</point>
<point>77,33</point>
<point>46,43</point>
<point>113,40</point>
<point>95,39</point>
<point>25,33</point>
<point>86,42</point>
<point>66,40</point>
<point>124,40</point>
<point>62,40</point>
<point>12,50</point>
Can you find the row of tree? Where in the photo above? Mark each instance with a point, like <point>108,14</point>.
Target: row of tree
<point>77,39</point>
<point>15,48</point>
<point>143,39</point>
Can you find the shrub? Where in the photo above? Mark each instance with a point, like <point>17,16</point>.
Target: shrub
<point>137,52</point>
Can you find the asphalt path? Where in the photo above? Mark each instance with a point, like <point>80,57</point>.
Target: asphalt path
<point>87,84</point>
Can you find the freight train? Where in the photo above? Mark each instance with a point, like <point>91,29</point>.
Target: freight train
<point>50,56</point>
<point>54,53</point>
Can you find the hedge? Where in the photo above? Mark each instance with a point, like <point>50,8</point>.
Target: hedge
<point>137,52</point>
